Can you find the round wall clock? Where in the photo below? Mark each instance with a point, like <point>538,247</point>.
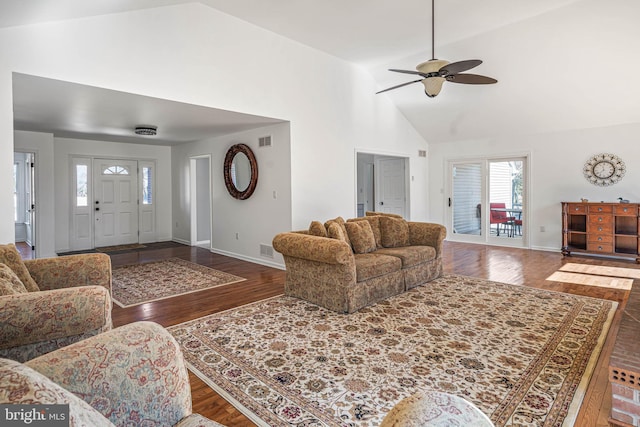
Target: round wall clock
<point>604,169</point>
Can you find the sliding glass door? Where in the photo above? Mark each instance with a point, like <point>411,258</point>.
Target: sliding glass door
<point>486,201</point>
<point>466,201</point>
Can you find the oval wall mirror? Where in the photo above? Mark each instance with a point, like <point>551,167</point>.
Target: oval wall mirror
<point>240,171</point>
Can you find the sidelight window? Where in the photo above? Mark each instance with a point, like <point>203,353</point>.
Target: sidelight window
<point>147,186</point>
<point>81,185</point>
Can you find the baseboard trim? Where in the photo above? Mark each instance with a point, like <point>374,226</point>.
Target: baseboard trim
<point>182,241</point>
<point>260,261</point>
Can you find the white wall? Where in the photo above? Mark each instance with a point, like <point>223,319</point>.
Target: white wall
<point>195,54</point>
<point>42,145</point>
<point>256,219</point>
<point>556,164</point>
<point>65,149</point>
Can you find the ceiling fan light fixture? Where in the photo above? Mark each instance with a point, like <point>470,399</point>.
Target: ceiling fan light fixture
<point>431,66</point>
<point>146,130</point>
<point>433,86</point>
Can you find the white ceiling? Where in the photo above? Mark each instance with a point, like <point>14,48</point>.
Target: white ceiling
<point>544,54</point>
<point>71,110</point>
<point>366,32</point>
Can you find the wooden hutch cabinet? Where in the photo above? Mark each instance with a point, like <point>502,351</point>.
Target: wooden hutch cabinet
<point>600,228</point>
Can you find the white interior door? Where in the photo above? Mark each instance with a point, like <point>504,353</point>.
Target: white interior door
<point>115,202</point>
<point>391,186</point>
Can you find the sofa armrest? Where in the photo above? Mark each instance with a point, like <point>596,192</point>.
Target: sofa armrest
<point>42,316</point>
<point>427,234</point>
<point>19,384</point>
<point>314,248</point>
<point>70,271</point>
<point>133,375</point>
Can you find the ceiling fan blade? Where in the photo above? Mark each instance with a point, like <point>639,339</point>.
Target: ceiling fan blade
<point>396,87</point>
<point>408,72</point>
<point>471,79</point>
<point>458,67</point>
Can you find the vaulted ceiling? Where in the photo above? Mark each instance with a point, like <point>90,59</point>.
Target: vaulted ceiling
<point>560,64</point>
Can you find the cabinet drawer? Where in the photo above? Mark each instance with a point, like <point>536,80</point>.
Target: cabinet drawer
<point>576,208</point>
<point>601,238</point>
<point>626,210</point>
<point>600,247</point>
<point>600,219</point>
<point>596,227</point>
<point>600,209</point>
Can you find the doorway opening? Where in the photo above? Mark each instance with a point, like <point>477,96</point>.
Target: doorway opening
<point>24,203</point>
<point>200,200</point>
<point>382,184</point>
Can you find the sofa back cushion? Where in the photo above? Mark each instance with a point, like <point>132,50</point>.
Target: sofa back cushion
<point>340,222</point>
<point>10,284</point>
<point>10,256</point>
<point>394,231</point>
<point>392,215</point>
<point>361,236</point>
<point>334,231</point>
<point>316,228</point>
<point>374,222</point>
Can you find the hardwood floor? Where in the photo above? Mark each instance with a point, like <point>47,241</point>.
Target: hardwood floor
<point>509,265</point>
<point>25,250</point>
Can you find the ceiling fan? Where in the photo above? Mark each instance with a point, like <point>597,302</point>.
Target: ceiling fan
<point>434,72</point>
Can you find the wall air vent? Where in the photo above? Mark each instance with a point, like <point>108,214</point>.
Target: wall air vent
<point>422,153</point>
<point>264,141</point>
<point>266,251</point>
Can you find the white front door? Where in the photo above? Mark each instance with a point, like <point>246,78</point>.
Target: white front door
<point>391,186</point>
<point>115,202</point>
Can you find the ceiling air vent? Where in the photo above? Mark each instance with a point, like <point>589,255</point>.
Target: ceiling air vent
<point>264,141</point>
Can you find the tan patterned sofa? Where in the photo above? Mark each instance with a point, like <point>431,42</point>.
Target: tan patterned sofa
<point>344,266</point>
<point>49,303</point>
<point>130,376</point>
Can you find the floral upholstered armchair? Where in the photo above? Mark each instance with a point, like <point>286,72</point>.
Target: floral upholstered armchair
<point>49,303</point>
<point>132,375</point>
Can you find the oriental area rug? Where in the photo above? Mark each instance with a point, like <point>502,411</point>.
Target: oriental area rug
<point>523,356</point>
<point>139,283</point>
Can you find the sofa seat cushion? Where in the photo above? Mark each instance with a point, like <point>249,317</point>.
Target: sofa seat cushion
<point>410,255</point>
<point>374,264</point>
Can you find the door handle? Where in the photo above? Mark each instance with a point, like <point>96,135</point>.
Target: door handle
<point>449,201</point>
<point>381,203</point>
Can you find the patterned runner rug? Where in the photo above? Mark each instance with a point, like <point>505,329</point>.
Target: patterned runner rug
<point>139,283</point>
<point>523,356</point>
